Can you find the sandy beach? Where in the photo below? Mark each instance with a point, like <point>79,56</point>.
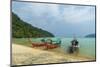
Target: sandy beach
<point>22,55</point>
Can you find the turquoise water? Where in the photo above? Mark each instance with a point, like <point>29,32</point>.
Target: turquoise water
<point>87,45</point>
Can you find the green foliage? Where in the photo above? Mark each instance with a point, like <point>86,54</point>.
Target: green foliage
<point>21,29</point>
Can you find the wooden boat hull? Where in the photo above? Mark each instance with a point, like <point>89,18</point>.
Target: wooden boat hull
<point>37,45</point>
<point>51,46</point>
<point>46,45</point>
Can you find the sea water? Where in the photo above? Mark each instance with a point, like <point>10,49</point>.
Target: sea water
<point>86,45</point>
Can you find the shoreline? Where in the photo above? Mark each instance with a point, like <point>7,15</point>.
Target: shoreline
<point>22,55</point>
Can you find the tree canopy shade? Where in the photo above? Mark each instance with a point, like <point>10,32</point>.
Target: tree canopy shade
<point>21,29</point>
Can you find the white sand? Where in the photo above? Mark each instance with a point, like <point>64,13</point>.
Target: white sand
<point>22,55</point>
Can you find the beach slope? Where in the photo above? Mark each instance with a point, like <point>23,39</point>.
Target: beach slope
<point>22,55</point>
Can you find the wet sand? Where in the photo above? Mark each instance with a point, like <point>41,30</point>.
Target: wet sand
<point>22,55</point>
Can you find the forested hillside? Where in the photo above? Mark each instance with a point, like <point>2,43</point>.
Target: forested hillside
<point>21,29</point>
<point>90,36</point>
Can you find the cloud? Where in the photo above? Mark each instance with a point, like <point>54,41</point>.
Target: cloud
<point>78,14</point>
<point>54,17</point>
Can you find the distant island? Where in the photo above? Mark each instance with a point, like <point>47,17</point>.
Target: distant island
<point>21,29</point>
<point>90,36</point>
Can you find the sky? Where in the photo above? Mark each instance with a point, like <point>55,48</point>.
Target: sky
<point>59,19</point>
